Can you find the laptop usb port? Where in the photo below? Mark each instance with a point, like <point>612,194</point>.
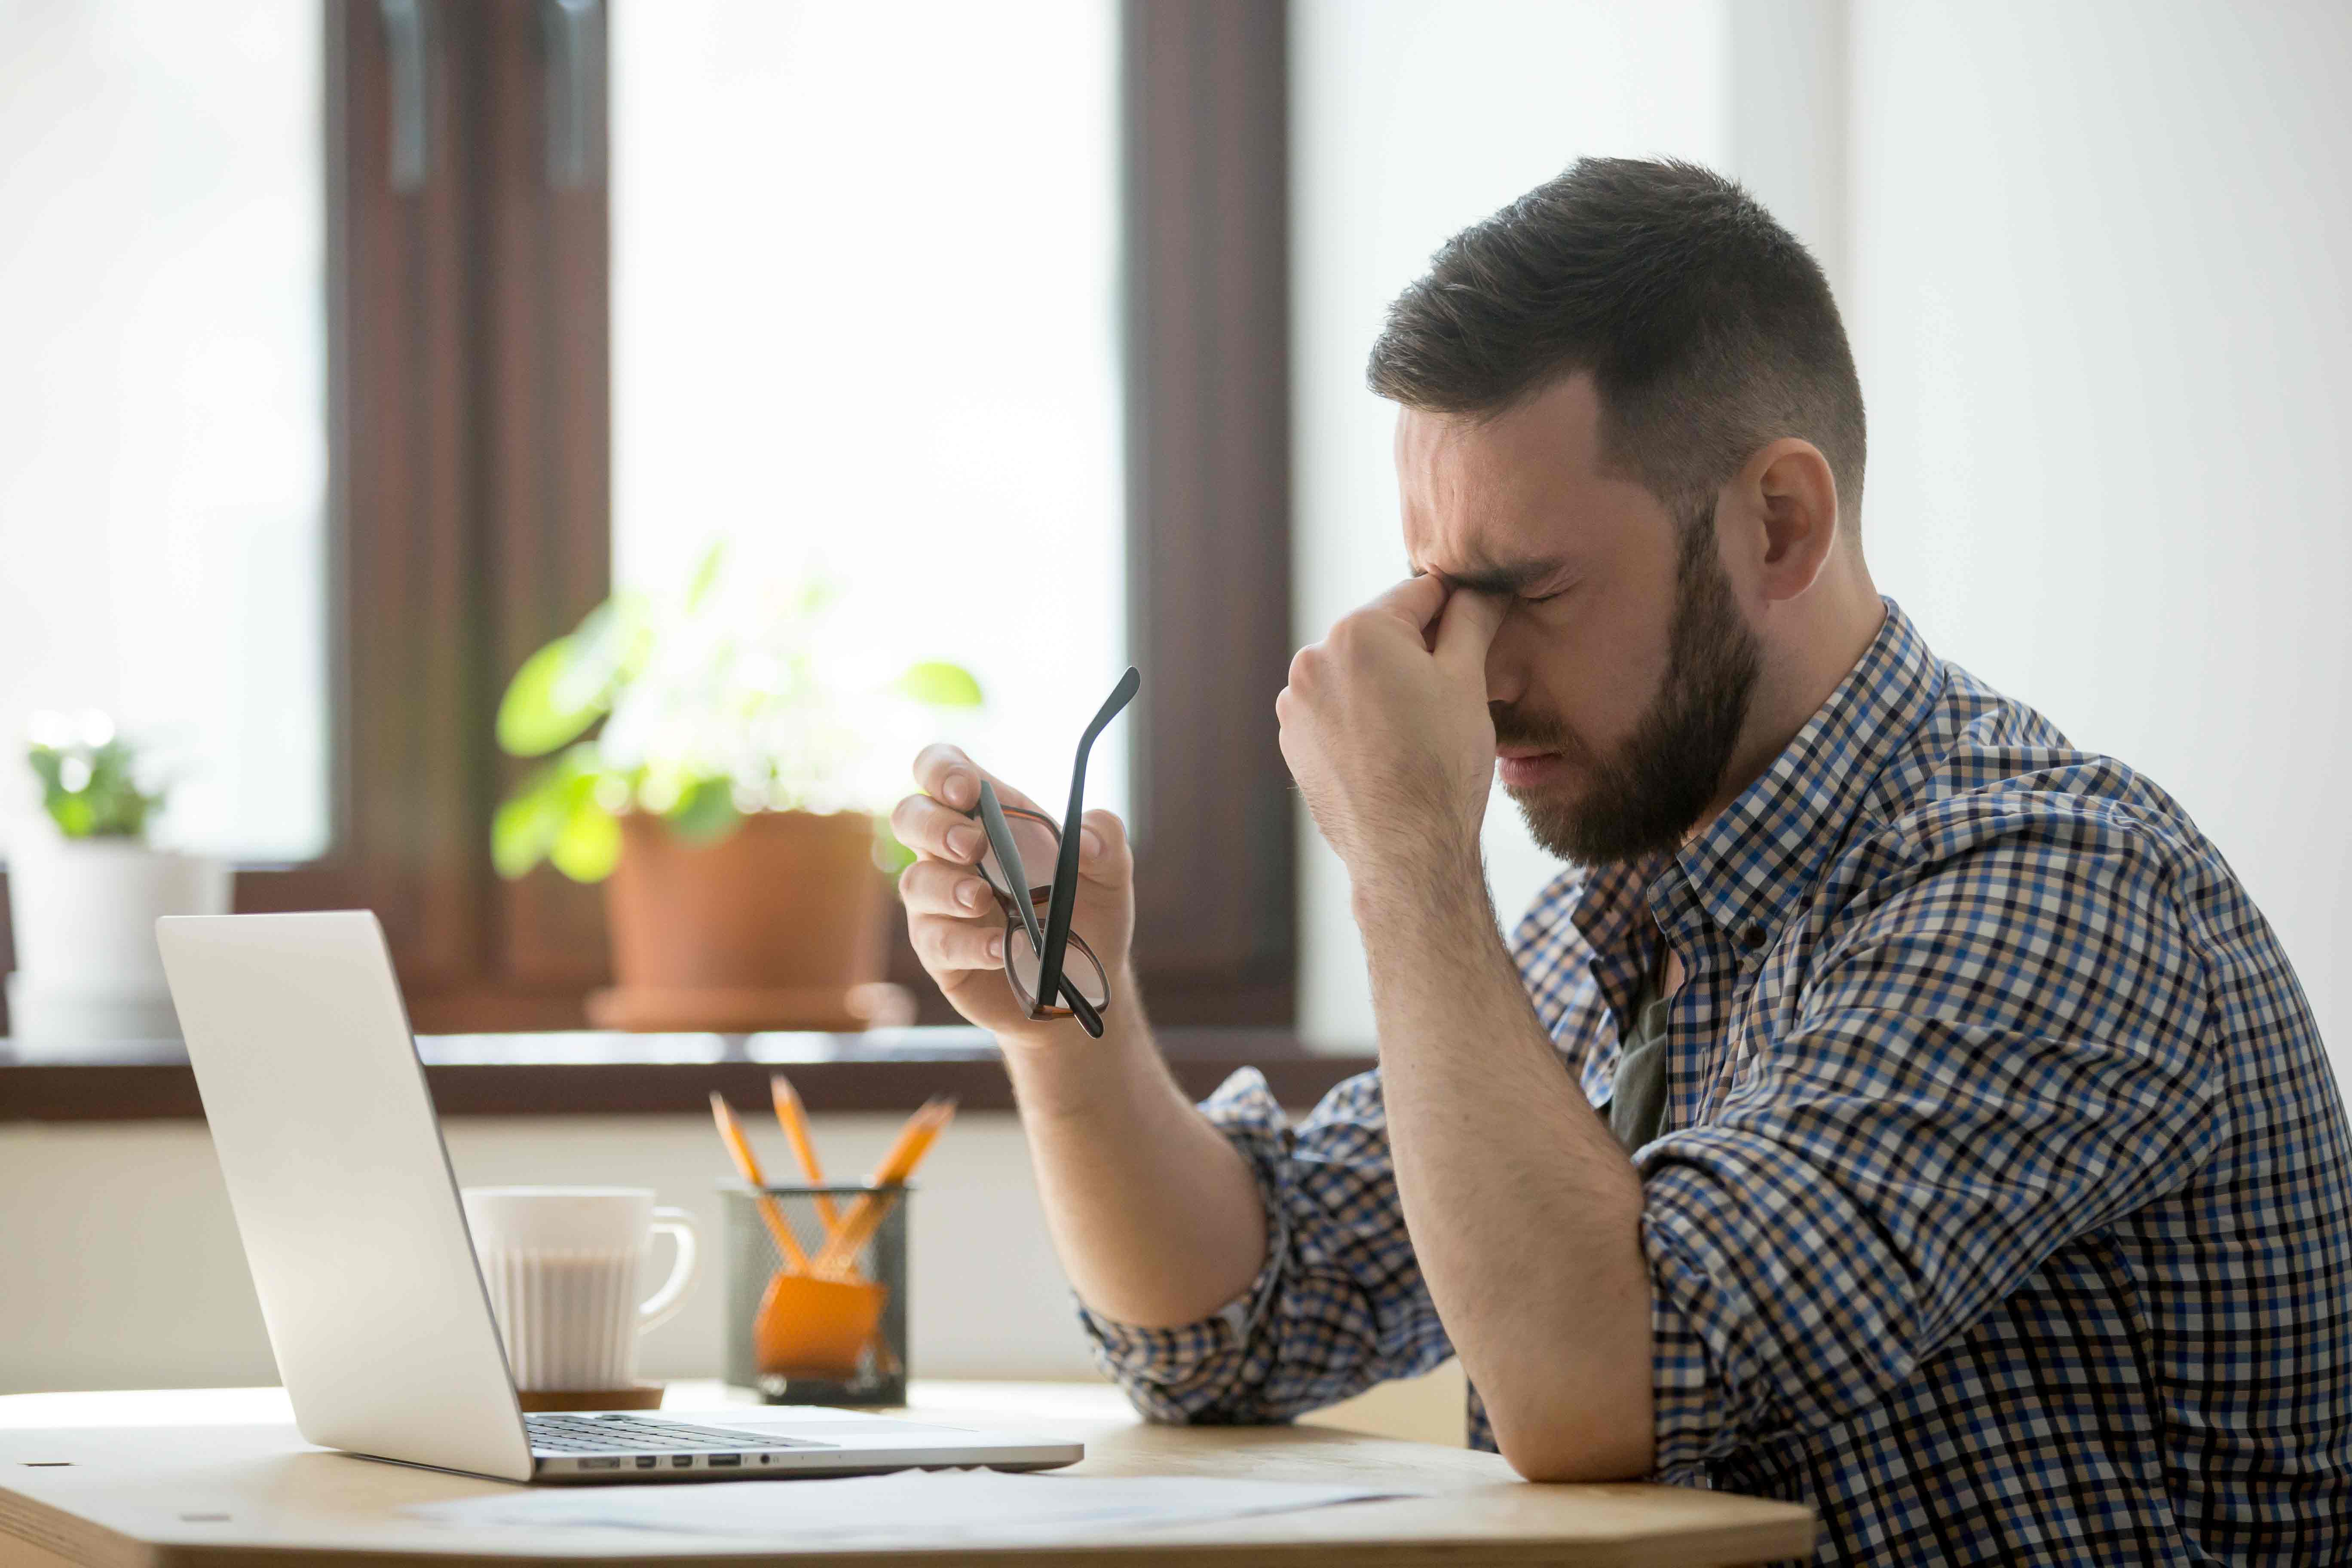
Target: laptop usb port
<point>647,1461</point>
<point>717,1460</point>
<point>600,1464</point>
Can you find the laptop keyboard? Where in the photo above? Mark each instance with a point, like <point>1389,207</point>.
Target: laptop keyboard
<point>628,1434</point>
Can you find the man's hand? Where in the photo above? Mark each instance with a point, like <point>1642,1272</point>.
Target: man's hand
<point>1384,725</point>
<point>956,926</point>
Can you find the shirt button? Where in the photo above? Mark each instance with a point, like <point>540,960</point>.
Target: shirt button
<point>1751,937</point>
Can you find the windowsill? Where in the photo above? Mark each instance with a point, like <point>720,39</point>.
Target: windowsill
<point>596,1074</point>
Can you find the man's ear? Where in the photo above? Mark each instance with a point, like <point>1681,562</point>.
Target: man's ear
<point>1790,493</point>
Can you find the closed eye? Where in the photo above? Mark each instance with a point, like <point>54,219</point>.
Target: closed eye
<point>1541,598</point>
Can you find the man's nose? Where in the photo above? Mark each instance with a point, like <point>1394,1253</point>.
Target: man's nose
<point>1507,680</point>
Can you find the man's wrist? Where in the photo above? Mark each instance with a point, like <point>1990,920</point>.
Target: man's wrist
<point>1059,1071</point>
<point>1416,884</point>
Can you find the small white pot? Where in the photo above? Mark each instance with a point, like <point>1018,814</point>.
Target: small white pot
<point>83,913</point>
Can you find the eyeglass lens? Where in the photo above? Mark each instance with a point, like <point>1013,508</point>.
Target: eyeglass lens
<point>1036,842</point>
<point>1078,967</point>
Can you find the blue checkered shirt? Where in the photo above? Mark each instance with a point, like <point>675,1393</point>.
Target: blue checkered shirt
<point>2002,1207</point>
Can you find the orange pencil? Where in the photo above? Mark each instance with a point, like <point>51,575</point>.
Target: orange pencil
<point>730,1133</point>
<point>840,1253</point>
<point>913,1142</point>
<point>794,1120</point>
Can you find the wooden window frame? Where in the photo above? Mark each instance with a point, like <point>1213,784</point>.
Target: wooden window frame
<point>469,509</point>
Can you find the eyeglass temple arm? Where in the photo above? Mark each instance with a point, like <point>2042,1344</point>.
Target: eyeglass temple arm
<point>1065,868</point>
<point>1080,1009</point>
<point>1008,860</point>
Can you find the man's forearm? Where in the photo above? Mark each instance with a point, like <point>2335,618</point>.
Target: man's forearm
<point>1154,1213</point>
<point>1524,1212</point>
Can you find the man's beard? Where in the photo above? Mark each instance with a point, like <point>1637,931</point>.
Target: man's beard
<point>1652,791</point>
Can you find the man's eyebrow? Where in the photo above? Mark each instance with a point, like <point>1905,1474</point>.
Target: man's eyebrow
<point>1509,577</point>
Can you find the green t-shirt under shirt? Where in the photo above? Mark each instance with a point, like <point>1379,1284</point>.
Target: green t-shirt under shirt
<point>1637,1095</point>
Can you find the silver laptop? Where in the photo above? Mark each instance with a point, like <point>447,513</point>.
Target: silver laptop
<point>359,1250</point>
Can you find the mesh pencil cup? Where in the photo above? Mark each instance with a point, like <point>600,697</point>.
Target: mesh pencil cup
<point>833,1332</point>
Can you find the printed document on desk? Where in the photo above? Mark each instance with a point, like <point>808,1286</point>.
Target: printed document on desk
<point>931,1507</point>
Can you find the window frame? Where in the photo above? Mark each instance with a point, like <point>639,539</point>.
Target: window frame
<point>469,506</point>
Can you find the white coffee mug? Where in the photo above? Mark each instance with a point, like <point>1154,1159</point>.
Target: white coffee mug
<point>561,1266</point>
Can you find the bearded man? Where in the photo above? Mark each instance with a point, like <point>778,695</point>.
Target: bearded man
<point>1891,1108</point>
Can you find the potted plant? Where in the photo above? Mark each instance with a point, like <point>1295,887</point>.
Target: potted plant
<point>85,890</point>
<point>703,759</point>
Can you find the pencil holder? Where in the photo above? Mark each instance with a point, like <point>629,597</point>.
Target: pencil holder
<point>830,1328</point>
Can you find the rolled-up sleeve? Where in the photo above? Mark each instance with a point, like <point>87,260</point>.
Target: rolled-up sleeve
<point>1340,1303</point>
<point>1997,1050</point>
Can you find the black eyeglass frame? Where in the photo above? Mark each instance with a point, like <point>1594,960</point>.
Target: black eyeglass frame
<point>1023,923</point>
<point>1052,944</point>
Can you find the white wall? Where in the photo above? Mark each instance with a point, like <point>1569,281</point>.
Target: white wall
<point>1411,119</point>
<point>119,1266</point>
<point>2099,258</point>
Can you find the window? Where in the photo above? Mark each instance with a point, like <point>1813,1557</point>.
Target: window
<point>163,423</point>
<point>887,277</point>
<point>865,320</point>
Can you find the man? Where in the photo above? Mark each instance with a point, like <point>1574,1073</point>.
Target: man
<point>1892,1109</point>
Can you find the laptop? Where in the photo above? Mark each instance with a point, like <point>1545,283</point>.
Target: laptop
<point>359,1250</point>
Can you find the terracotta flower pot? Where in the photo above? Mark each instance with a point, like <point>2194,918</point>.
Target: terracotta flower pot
<point>779,925</point>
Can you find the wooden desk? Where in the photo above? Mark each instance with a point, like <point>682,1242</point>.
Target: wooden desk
<point>224,1485</point>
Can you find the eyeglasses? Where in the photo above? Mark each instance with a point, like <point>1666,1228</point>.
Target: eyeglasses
<point>1051,971</point>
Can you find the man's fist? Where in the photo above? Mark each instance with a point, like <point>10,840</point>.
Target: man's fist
<point>1384,725</point>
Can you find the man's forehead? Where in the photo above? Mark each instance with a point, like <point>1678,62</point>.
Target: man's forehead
<point>1487,497</point>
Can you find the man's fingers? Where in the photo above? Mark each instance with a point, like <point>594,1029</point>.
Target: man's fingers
<point>944,773</point>
<point>927,828</point>
<point>1464,632</point>
<point>1415,601</point>
<point>1103,853</point>
<point>948,946</point>
<point>942,888</point>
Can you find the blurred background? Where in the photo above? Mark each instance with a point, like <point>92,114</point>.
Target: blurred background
<point>355,349</point>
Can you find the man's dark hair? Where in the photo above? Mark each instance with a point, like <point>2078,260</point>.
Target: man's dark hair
<point>1709,329</point>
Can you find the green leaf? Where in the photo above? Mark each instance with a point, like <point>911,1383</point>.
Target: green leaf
<point>93,792</point>
<point>588,846</point>
<point>524,830</point>
<point>609,645</point>
<point>938,684</point>
<point>705,813</point>
<point>543,707</point>
<point>889,853</point>
<point>73,816</point>
<point>527,826</point>
<point>706,574</point>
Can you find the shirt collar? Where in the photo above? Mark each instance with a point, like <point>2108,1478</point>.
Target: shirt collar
<point>1756,863</point>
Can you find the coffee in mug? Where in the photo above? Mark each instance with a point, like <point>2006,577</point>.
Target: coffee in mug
<point>561,1264</point>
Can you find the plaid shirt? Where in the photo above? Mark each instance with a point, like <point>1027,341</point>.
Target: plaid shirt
<point>2002,1207</point>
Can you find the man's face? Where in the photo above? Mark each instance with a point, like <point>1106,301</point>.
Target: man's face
<point>1621,674</point>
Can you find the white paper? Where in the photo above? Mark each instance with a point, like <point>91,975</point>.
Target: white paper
<point>932,1506</point>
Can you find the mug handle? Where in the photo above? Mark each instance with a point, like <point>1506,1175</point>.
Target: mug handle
<point>684,1272</point>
